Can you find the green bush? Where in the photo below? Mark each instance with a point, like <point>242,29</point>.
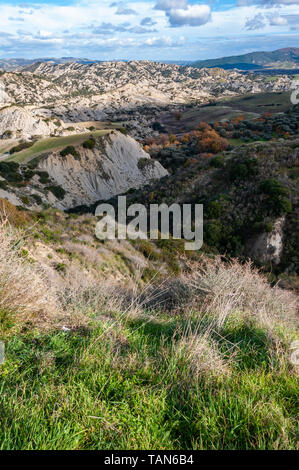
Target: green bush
<point>218,161</point>
<point>37,199</point>
<point>273,188</point>
<point>241,169</point>
<point>28,174</point>
<point>277,193</point>
<point>145,162</point>
<point>89,144</point>
<point>10,171</point>
<point>213,210</point>
<point>69,150</point>
<point>58,191</point>
<point>22,146</point>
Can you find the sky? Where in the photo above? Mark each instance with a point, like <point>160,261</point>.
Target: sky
<point>146,29</point>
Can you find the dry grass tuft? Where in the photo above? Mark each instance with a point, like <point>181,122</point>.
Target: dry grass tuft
<point>10,213</point>
<point>24,293</point>
<point>222,288</point>
<point>201,356</point>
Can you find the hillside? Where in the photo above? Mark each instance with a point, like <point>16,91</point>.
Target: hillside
<point>54,97</point>
<point>287,58</point>
<point>98,165</point>
<point>245,173</point>
<point>107,349</point>
<point>142,344</point>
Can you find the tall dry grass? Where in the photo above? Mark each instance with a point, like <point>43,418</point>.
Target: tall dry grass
<point>212,289</point>
<point>24,292</point>
<point>221,288</point>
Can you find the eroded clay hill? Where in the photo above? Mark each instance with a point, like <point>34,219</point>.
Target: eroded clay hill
<point>100,168</point>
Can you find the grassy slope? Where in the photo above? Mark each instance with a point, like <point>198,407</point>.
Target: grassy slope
<point>250,106</point>
<point>52,143</point>
<point>124,380</point>
<point>128,390</point>
<point>260,102</point>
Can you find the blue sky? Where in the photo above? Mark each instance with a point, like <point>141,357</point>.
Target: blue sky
<point>146,29</point>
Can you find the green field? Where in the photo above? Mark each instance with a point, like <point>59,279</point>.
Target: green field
<point>250,106</point>
<point>52,143</point>
<point>73,391</point>
<point>260,102</point>
<point>193,117</point>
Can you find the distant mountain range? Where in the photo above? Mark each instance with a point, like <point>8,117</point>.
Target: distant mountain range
<point>13,64</point>
<point>287,58</point>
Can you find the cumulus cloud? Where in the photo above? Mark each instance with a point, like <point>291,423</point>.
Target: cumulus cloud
<point>164,41</point>
<point>257,22</point>
<point>147,22</point>
<point>109,28</point>
<point>122,9</point>
<point>12,18</point>
<point>193,15</point>
<point>293,21</point>
<point>166,5</point>
<point>268,3</point>
<point>125,11</point>
<point>260,21</point>
<point>277,20</point>
<point>141,30</point>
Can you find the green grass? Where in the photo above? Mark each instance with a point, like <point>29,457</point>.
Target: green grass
<point>126,389</point>
<point>6,145</point>
<point>271,79</point>
<point>192,118</point>
<point>52,143</point>
<point>260,102</point>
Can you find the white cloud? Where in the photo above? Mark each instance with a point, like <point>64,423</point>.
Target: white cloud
<point>257,22</point>
<point>167,5</point>
<point>90,28</point>
<point>193,15</point>
<point>277,20</point>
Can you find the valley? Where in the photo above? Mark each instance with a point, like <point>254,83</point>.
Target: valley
<point>138,343</point>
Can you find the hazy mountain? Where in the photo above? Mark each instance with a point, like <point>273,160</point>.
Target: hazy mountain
<point>13,64</point>
<point>282,58</point>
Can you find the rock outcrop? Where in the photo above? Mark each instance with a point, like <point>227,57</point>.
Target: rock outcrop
<point>268,247</point>
<point>116,164</point>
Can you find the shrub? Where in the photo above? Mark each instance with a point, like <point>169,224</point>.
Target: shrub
<point>276,192</point>
<point>213,210</point>
<point>145,162</point>
<point>10,171</point>
<point>70,150</point>
<point>37,198</point>
<point>241,169</point>
<point>58,191</point>
<point>28,174</point>
<point>7,134</point>
<point>89,144</point>
<point>224,288</point>
<point>22,146</point>
<point>273,188</point>
<point>218,161</point>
